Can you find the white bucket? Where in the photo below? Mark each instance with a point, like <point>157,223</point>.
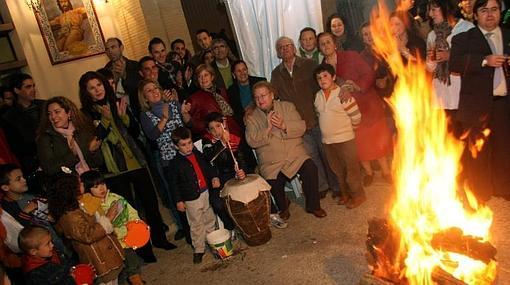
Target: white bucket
<point>220,243</point>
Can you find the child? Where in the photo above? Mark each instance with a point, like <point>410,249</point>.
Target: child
<point>338,117</point>
<point>94,185</point>
<point>22,206</point>
<point>216,151</point>
<point>92,237</point>
<point>42,264</point>
<point>191,178</point>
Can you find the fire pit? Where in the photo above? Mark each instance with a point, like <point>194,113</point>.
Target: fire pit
<point>436,232</point>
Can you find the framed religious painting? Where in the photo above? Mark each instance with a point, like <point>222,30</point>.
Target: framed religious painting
<point>70,29</point>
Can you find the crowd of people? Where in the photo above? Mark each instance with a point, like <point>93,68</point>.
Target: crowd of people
<point>73,176</point>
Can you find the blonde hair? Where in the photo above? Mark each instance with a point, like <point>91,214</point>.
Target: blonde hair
<point>30,238</point>
<point>144,104</point>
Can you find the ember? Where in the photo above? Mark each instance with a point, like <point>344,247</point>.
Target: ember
<point>436,233</point>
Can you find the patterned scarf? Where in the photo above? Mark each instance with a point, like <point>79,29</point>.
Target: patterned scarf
<point>225,108</point>
<point>68,133</point>
<point>442,30</point>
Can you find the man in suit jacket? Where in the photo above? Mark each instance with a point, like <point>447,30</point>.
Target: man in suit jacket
<point>125,73</point>
<point>479,56</point>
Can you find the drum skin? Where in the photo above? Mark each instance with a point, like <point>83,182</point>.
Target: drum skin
<point>252,218</point>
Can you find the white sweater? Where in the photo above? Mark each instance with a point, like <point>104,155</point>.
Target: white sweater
<point>337,120</point>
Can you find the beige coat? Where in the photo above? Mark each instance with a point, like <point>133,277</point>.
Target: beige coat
<point>277,151</point>
<point>92,243</point>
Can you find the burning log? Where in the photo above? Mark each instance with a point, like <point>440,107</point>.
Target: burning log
<point>454,241</point>
<point>442,277</point>
<point>382,245</point>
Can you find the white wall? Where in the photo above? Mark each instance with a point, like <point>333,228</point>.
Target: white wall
<point>60,79</point>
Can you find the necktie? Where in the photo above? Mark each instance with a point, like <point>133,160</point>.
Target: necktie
<point>498,72</point>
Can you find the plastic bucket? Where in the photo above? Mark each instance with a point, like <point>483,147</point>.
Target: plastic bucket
<point>220,243</point>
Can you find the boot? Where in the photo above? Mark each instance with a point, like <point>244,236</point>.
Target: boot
<point>136,279</point>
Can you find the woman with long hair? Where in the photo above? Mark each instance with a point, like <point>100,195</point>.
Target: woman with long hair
<point>66,138</point>
<point>124,162</point>
<point>344,39</point>
<point>446,23</point>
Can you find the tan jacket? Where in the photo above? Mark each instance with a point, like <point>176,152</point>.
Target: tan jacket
<point>92,243</point>
<point>277,151</point>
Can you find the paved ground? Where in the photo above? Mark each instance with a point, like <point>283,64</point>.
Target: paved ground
<point>309,251</point>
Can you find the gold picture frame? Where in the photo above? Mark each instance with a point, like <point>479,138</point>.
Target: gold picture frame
<point>70,29</point>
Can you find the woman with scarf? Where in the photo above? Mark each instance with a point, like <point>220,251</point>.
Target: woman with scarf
<point>344,40</point>
<point>66,138</point>
<point>446,23</point>
<point>210,99</point>
<point>124,162</point>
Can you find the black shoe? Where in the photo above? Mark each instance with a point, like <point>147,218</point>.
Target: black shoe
<point>149,258</point>
<point>179,234</point>
<point>188,239</point>
<point>164,245</point>
<point>197,257</point>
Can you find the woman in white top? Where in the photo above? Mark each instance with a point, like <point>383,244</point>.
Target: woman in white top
<point>446,23</point>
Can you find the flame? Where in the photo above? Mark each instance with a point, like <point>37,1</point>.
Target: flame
<point>426,164</point>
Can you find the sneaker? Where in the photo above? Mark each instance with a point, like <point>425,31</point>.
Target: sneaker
<point>277,222</point>
<point>197,257</point>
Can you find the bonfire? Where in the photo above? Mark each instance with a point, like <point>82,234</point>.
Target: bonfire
<point>436,232</point>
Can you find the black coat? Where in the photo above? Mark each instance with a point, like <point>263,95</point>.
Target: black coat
<point>467,53</point>
<point>235,98</point>
<point>183,179</point>
<point>130,84</point>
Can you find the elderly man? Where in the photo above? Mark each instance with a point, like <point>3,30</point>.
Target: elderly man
<point>479,56</point>
<point>125,73</point>
<point>294,81</point>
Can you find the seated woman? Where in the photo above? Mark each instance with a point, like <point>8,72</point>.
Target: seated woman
<point>66,138</point>
<point>210,99</point>
<point>275,130</point>
<point>124,161</point>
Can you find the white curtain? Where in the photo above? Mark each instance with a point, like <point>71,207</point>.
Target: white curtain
<point>259,23</point>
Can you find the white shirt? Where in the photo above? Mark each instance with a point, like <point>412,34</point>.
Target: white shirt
<point>497,39</point>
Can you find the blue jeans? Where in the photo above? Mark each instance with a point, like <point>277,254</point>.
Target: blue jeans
<point>312,140</point>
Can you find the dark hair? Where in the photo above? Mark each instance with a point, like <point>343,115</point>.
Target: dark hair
<point>235,63</point>
<point>199,31</point>
<point>171,54</point>
<point>85,100</point>
<point>442,5</point>
<point>213,117</point>
<point>482,3</point>
<point>202,58</point>
<point>108,74</point>
<point>91,178</point>
<point>347,30</point>
<point>155,41</point>
<point>406,19</point>
<point>324,67</point>
<point>16,80</point>
<point>3,90</point>
<point>63,189</point>
<point>180,133</point>
<point>115,39</point>
<point>307,29</point>
<point>62,8</point>
<point>80,121</point>
<point>30,237</point>
<point>177,41</point>
<point>144,60</point>
<point>5,171</point>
